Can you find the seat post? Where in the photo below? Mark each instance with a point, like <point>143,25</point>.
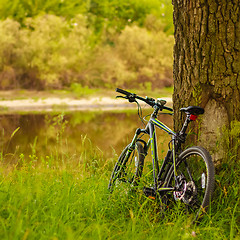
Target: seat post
<point>182,133</point>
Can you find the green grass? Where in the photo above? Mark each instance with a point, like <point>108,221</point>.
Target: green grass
<point>70,200</point>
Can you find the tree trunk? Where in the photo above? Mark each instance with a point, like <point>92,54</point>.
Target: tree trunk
<point>207,70</point>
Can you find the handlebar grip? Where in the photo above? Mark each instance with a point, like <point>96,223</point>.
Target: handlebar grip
<point>123,91</point>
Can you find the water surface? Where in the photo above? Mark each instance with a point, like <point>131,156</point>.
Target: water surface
<point>36,136</point>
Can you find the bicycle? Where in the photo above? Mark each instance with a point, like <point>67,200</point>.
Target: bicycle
<point>185,176</point>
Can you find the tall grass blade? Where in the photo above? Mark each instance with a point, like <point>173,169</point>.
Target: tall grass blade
<point>14,132</point>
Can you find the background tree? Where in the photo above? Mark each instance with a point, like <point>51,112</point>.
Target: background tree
<point>207,70</point>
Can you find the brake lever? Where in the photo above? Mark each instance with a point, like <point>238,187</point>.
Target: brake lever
<point>129,98</point>
<point>121,97</point>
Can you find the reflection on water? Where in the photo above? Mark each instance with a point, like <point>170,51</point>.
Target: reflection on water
<point>74,133</point>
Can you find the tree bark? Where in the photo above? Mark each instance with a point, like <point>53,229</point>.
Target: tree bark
<point>207,70</point>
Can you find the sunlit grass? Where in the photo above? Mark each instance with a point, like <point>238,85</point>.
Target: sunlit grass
<point>39,201</point>
<point>49,200</point>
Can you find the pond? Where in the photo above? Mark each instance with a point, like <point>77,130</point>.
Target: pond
<point>89,134</point>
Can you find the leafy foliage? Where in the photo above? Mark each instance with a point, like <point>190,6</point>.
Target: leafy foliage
<point>139,57</point>
<point>45,51</point>
<point>21,9</point>
<point>92,43</point>
<point>101,13</point>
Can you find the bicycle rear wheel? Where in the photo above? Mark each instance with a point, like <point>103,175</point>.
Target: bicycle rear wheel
<point>195,176</point>
<point>128,168</point>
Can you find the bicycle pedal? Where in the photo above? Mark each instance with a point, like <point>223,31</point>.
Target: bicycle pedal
<point>149,192</point>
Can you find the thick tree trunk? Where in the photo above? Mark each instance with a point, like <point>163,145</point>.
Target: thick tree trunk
<point>207,69</point>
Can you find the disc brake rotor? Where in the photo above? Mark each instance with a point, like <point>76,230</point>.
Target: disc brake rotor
<point>190,193</point>
<point>187,191</point>
<point>178,195</point>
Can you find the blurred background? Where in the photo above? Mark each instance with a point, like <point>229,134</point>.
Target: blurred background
<point>89,43</point>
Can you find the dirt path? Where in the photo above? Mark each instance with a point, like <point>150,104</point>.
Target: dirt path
<point>50,104</point>
<point>34,101</point>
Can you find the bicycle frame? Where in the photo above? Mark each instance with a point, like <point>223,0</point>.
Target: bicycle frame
<point>154,122</point>
<point>152,142</point>
<point>177,138</point>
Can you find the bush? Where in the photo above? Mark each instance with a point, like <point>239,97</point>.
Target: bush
<point>101,14</point>
<point>107,69</point>
<point>95,43</point>
<point>45,54</point>
<point>146,54</point>
<point>9,32</point>
<point>19,10</point>
<point>51,52</point>
<point>142,48</point>
<point>138,58</point>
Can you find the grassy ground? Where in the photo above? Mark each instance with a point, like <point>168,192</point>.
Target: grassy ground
<point>67,198</point>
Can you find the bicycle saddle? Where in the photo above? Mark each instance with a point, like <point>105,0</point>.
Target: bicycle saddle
<point>195,110</point>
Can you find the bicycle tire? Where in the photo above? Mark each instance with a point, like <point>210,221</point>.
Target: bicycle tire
<point>196,172</point>
<point>127,170</point>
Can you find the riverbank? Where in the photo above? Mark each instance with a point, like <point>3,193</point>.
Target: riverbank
<point>27,101</point>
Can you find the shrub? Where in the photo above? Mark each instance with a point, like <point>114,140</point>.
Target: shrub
<point>46,54</point>
<point>138,58</point>
<point>149,54</point>
<point>9,32</point>
<point>51,52</point>
<point>107,69</point>
<point>55,48</point>
<point>19,10</point>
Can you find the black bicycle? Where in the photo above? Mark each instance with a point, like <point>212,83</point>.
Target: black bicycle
<point>185,176</point>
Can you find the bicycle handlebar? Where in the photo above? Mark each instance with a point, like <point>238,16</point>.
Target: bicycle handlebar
<point>150,101</point>
<point>124,92</point>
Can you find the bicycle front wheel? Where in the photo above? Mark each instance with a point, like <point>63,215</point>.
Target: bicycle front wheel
<point>195,180</point>
<point>128,168</point>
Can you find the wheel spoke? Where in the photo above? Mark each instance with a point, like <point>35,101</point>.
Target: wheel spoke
<point>129,167</point>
